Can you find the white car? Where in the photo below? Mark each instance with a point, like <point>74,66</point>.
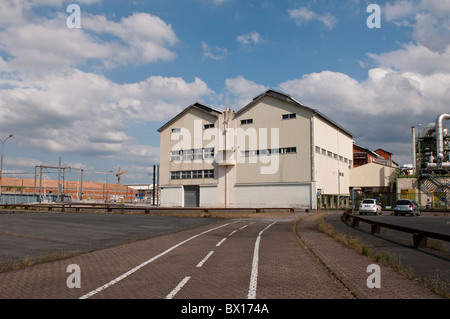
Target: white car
<point>369,206</point>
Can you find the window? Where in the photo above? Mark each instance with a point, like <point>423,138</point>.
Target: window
<point>186,174</point>
<point>207,126</point>
<point>335,156</point>
<point>249,153</point>
<point>209,152</point>
<point>198,154</point>
<point>176,130</point>
<point>247,121</point>
<point>275,151</point>
<point>289,116</point>
<point>197,174</point>
<point>209,173</point>
<point>264,152</point>
<point>290,150</point>
<point>317,149</point>
<point>330,154</point>
<point>324,151</point>
<point>175,156</point>
<point>187,155</point>
<point>341,158</point>
<point>174,175</point>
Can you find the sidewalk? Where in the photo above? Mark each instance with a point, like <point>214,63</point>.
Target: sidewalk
<point>350,267</point>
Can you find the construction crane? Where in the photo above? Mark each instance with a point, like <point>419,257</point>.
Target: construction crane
<point>119,175</point>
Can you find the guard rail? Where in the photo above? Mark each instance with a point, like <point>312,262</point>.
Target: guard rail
<point>419,236</point>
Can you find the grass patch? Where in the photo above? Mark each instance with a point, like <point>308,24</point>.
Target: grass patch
<point>381,256</point>
<point>29,261</point>
<point>437,244</point>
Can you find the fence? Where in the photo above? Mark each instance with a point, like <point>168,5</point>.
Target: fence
<point>29,198</point>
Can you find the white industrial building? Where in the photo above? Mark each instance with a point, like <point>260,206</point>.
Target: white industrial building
<point>273,152</point>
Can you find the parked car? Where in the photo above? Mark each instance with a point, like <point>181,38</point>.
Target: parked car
<point>369,206</point>
<point>406,206</point>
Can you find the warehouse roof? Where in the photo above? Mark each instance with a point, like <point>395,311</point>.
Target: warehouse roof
<point>287,98</point>
<point>197,105</point>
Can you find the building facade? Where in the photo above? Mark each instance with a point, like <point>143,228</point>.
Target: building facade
<point>274,152</point>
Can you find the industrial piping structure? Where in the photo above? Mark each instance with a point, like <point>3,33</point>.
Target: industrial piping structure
<point>434,148</point>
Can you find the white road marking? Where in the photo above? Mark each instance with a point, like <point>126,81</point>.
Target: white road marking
<point>114,281</point>
<point>220,242</point>
<point>178,288</point>
<point>243,227</point>
<point>232,232</point>
<point>205,259</point>
<point>254,275</point>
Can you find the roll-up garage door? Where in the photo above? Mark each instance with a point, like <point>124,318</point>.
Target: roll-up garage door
<point>191,196</point>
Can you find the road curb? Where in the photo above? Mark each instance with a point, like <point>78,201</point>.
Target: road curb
<point>349,267</point>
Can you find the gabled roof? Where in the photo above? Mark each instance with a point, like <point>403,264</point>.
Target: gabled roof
<point>367,150</point>
<point>289,99</point>
<point>197,105</point>
<point>383,150</point>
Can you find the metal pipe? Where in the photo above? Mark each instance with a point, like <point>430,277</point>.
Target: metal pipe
<point>440,136</point>
<point>414,163</point>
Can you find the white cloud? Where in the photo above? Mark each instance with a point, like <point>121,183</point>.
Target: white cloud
<point>241,91</point>
<point>250,38</point>
<point>42,43</point>
<point>214,54</point>
<point>415,58</point>
<point>429,20</point>
<point>219,1</point>
<point>303,16</point>
<point>76,112</point>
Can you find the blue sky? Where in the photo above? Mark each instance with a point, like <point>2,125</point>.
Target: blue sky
<point>96,95</point>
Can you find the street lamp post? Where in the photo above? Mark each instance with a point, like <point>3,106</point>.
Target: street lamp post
<point>1,165</point>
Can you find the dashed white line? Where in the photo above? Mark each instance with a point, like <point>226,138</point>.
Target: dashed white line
<point>114,281</point>
<point>178,288</point>
<point>254,275</point>
<point>232,232</point>
<point>243,227</point>
<point>220,242</point>
<point>205,259</point>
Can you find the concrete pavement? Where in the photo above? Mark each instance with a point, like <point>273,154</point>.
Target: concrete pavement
<point>351,268</point>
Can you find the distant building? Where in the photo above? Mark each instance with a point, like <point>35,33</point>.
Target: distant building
<point>274,152</point>
<point>73,190</point>
<point>362,156</point>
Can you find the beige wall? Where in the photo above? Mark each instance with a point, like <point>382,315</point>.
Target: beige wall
<point>326,169</point>
<point>295,132</point>
<point>248,180</point>
<point>190,137</point>
<point>372,175</point>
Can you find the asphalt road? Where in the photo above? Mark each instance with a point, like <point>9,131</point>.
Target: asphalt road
<point>228,259</point>
<point>142,256</point>
<point>424,262</point>
<point>37,235</point>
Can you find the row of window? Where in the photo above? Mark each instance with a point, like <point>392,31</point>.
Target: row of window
<point>206,153</point>
<point>283,150</point>
<point>194,154</point>
<point>206,126</point>
<point>245,121</point>
<point>333,155</point>
<point>195,174</point>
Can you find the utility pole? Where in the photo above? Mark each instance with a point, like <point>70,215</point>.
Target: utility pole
<point>1,165</point>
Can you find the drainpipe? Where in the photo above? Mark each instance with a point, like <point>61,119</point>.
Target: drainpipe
<point>414,162</point>
<point>226,124</point>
